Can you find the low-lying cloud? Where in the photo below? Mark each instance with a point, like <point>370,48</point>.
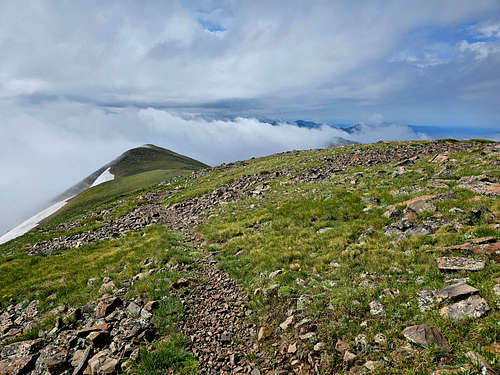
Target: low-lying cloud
<point>47,148</point>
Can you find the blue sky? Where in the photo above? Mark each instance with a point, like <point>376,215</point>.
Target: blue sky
<point>82,81</point>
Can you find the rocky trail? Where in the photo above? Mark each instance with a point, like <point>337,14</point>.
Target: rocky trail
<point>100,337</point>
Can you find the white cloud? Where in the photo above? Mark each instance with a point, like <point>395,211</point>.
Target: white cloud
<point>481,50</point>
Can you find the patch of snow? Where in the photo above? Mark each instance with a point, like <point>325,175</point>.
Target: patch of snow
<point>104,177</point>
<point>32,222</point>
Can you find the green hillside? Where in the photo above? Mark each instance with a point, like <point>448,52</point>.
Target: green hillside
<point>149,158</point>
<point>378,258</point>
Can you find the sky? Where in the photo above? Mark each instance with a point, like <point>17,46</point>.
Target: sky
<point>83,81</point>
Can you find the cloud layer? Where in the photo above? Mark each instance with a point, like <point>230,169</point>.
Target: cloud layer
<point>80,82</point>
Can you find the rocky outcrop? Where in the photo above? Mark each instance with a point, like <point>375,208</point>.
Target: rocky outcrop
<point>93,339</point>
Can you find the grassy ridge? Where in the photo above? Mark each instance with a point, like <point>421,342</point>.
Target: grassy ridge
<point>342,269</point>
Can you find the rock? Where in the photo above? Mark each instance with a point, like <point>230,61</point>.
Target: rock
<point>455,291</point>
<point>80,362</point>
<point>292,348</point>
<point>18,365</point>
<point>303,301</point>
<point>380,338</point>
<point>286,323</point>
<point>425,299</point>
<point>480,185</point>
<point>308,336</point>
<point>106,287</point>
<point>372,365</point>
<point>133,308</point>
<point>100,327</point>
<point>349,357</point>
<point>341,346</point>
<point>459,263</point>
<point>320,346</point>
<point>103,363</point>
<point>225,337</point>
<point>106,306</point>
<point>58,363</point>
<point>440,159</point>
<point>91,281</point>
<point>486,245</point>
<point>264,333</point>
<point>496,289</point>
<point>181,283</point>
<point>376,308</point>
<point>99,339</point>
<point>472,307</point>
<point>151,305</point>
<point>273,274</point>
<point>478,360</point>
<point>398,172</point>
<point>323,230</point>
<point>392,213</point>
<point>146,314</point>
<point>426,336</point>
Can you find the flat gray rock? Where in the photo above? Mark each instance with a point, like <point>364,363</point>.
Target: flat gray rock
<point>455,291</point>
<point>473,307</point>
<point>426,336</point>
<point>459,263</point>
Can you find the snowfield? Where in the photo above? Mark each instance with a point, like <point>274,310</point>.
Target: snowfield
<point>104,177</point>
<point>32,222</point>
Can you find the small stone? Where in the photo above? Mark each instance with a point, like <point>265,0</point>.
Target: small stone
<point>372,365</point>
<point>264,333</point>
<point>361,340</point>
<point>341,346</point>
<point>292,348</point>
<point>380,338</point>
<point>303,301</point>
<point>496,289</point>
<point>323,230</point>
<point>425,336</point>
<point>320,346</point>
<point>308,336</point>
<point>181,283</point>
<point>133,308</point>
<point>478,360</point>
<point>440,159</point>
<point>425,299</point>
<point>459,263</point>
<point>473,307</point>
<point>225,338</point>
<point>146,314</point>
<point>286,323</point>
<point>107,287</point>
<point>349,357</point>
<point>91,281</point>
<point>106,306</point>
<point>273,274</point>
<point>376,308</point>
<point>151,305</point>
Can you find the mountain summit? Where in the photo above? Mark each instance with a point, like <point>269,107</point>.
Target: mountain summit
<point>132,170</point>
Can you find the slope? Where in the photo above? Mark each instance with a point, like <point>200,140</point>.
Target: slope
<point>369,258</point>
<point>135,169</point>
